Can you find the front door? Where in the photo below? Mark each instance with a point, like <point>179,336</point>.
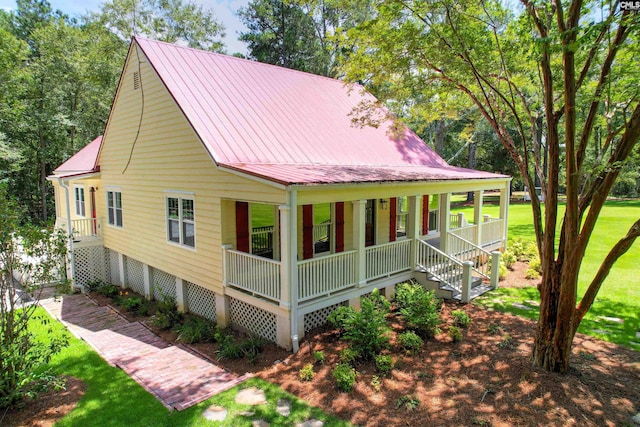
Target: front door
<point>369,223</point>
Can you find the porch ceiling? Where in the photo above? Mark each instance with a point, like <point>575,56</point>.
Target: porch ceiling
<point>317,174</point>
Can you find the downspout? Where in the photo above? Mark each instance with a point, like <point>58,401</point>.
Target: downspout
<point>69,232</point>
<point>94,221</point>
<point>293,232</point>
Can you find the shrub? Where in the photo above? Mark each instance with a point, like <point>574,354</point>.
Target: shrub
<point>410,341</point>
<point>536,265</point>
<point>345,376</point>
<point>405,294</point>
<point>229,348</point>
<point>494,328</point>
<point>376,383</point>
<point>196,329</point>
<point>319,357</point>
<point>460,318</point>
<point>93,285</point>
<point>530,251</point>
<point>135,305</point>
<point>409,402</point>
<point>349,356</point>
<point>516,247</point>
<point>506,341</point>
<point>367,330</point>
<point>306,373</point>
<point>252,347</point>
<point>531,274</point>
<point>108,290</point>
<point>167,314</point>
<point>455,333</point>
<point>338,317</point>
<point>420,309</point>
<point>508,258</point>
<point>384,363</point>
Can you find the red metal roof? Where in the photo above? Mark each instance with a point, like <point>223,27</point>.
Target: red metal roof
<point>288,126</point>
<point>84,161</point>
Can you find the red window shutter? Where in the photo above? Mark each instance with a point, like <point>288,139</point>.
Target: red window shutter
<point>425,214</point>
<point>242,226</point>
<point>393,211</point>
<point>339,208</point>
<point>307,231</point>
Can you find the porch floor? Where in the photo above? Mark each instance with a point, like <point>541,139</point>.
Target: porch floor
<point>177,377</point>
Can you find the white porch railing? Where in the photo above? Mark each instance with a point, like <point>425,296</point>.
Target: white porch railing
<point>327,274</point>
<point>464,250</point>
<point>389,258</point>
<point>492,231</point>
<point>262,239</point>
<point>258,275</point>
<point>468,232</point>
<point>401,223</point>
<point>457,220</point>
<point>443,267</point>
<point>87,228</point>
<point>321,231</point>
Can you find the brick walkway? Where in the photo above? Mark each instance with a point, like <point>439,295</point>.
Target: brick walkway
<point>176,376</point>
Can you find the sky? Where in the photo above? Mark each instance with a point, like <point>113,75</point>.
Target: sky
<point>224,10</point>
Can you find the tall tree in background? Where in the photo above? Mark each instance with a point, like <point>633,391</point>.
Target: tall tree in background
<point>299,34</point>
<point>165,20</point>
<point>560,61</point>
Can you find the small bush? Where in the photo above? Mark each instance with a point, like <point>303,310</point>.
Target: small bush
<point>384,363</point>
<point>506,341</point>
<point>508,258</point>
<point>93,285</point>
<point>516,247</point>
<point>306,373</point>
<point>229,348</point>
<point>376,383</point>
<point>409,402</point>
<point>494,328</point>
<point>167,315</point>
<point>455,333</point>
<point>196,329</point>
<point>420,309</point>
<point>319,357</point>
<point>367,330</point>
<point>349,356</point>
<point>460,318</point>
<point>345,376</point>
<point>136,305</point>
<point>410,341</point>
<point>531,274</point>
<point>108,290</point>
<point>338,317</point>
<point>536,265</point>
<point>530,251</point>
<point>252,347</point>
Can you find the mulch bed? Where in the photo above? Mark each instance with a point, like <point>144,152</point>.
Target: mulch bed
<point>483,380</point>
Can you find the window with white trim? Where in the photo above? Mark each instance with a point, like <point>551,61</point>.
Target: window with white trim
<point>79,199</point>
<point>322,228</point>
<point>114,208</point>
<point>181,222</point>
<point>402,209</point>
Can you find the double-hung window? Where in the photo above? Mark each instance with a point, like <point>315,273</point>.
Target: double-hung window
<point>79,199</point>
<point>402,206</point>
<point>114,208</point>
<point>181,221</point>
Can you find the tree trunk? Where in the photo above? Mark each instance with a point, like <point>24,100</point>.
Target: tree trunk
<point>438,136</point>
<point>43,178</point>
<point>472,165</point>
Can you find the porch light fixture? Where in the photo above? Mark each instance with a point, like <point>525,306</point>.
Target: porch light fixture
<point>383,204</point>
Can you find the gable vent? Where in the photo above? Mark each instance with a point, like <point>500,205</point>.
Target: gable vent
<point>136,80</point>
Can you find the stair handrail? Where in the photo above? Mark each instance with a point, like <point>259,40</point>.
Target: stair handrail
<point>423,248</point>
<point>484,270</point>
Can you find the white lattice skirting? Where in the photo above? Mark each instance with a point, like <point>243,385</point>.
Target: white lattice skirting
<point>89,264</point>
<point>164,284</point>
<point>201,301</point>
<point>253,319</point>
<point>135,275</point>
<point>319,317</point>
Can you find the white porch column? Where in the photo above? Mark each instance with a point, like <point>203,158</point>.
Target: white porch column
<point>467,278</point>
<point>148,290</point>
<point>413,226</point>
<point>504,211</point>
<point>359,208</point>
<point>478,197</point>
<point>445,220</point>
<point>122,270</point>
<point>276,233</point>
<point>285,255</point>
<point>181,295</point>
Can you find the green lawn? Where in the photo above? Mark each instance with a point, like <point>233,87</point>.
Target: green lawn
<point>112,398</point>
<point>620,293</point>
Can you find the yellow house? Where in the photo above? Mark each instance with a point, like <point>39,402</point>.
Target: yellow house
<point>248,192</point>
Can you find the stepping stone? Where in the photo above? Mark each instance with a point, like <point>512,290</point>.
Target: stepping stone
<point>251,396</point>
<point>612,319</point>
<point>601,331</point>
<point>247,413</point>
<point>533,303</point>
<point>259,423</point>
<point>636,419</point>
<point>638,334</point>
<point>521,306</point>
<point>215,413</point>
<point>284,407</point>
<point>311,423</point>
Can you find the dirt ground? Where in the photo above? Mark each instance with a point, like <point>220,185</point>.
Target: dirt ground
<point>486,379</point>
